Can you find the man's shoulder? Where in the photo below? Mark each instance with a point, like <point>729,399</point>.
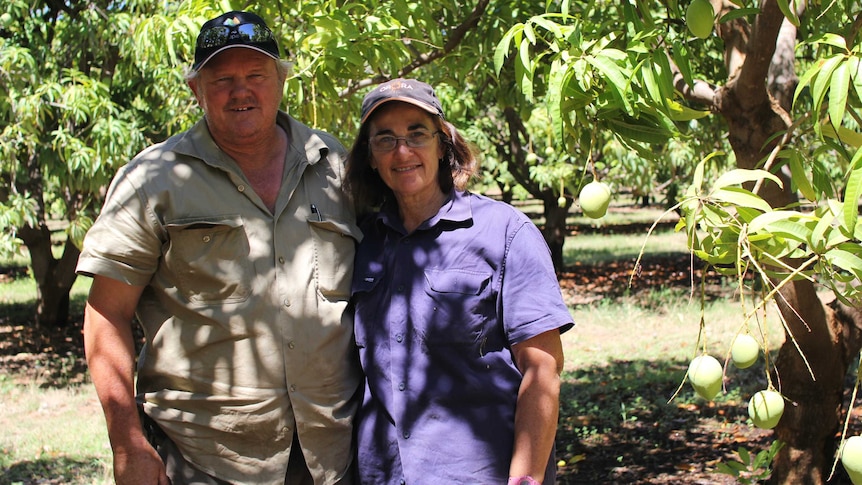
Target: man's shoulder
<point>301,131</point>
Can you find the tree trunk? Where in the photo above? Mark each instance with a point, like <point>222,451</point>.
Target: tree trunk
<point>54,277</point>
<point>813,407</point>
<point>554,230</point>
<point>755,102</point>
<point>812,414</point>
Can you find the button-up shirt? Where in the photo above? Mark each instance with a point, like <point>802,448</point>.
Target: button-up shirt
<point>246,336</point>
<point>437,313</point>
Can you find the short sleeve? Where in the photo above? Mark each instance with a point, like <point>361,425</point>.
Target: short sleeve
<point>532,302</point>
<point>124,242</point>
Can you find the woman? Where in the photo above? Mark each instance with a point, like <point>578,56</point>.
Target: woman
<point>458,309</point>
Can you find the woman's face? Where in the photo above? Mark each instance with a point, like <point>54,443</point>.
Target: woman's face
<point>410,171</point>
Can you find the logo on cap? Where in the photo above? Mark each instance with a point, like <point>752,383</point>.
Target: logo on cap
<point>396,87</point>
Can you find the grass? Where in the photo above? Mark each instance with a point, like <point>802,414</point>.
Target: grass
<point>668,329</point>
<point>53,428</point>
<point>55,434</point>
<point>622,247</point>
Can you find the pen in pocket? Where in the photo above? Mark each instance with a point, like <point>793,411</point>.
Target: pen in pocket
<point>316,212</point>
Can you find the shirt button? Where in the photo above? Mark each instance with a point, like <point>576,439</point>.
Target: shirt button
<point>281,259</point>
<point>293,388</point>
<point>399,338</point>
<point>241,188</point>
<point>400,288</point>
<point>207,238</point>
<point>291,345</point>
<point>406,435</point>
<point>286,302</point>
<point>402,386</point>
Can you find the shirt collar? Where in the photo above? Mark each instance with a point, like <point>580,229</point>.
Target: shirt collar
<point>197,142</point>
<point>455,210</point>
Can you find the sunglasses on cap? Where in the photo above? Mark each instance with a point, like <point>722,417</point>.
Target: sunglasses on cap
<point>221,35</point>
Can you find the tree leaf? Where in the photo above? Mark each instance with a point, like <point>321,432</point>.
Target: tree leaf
<point>502,50</point>
<point>681,59</point>
<point>829,38</point>
<point>838,90</point>
<point>642,132</point>
<point>852,192</point>
<point>740,197</point>
<point>614,76</point>
<point>738,13</point>
<point>529,33</point>
<point>556,82</point>
<point>845,260</point>
<point>822,81</point>
<point>681,112</point>
<point>740,176</point>
<point>842,134</point>
<point>768,219</point>
<point>800,177</point>
<point>818,235</point>
<point>789,11</point>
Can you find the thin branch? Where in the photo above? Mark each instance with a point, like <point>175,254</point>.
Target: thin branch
<point>701,92</point>
<point>785,139</point>
<point>456,36</point>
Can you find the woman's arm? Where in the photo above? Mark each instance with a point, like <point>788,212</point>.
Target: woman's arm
<point>540,360</point>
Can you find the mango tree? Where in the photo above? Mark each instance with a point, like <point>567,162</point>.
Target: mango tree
<point>787,215</point>
<point>342,51</point>
<point>78,96</point>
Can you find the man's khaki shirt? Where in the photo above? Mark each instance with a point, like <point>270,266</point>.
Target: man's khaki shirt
<point>247,338</point>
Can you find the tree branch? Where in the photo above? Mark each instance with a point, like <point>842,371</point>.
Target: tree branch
<point>702,92</point>
<point>760,49</point>
<point>457,35</point>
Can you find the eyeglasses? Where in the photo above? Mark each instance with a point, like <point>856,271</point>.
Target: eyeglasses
<point>414,139</point>
<point>219,36</point>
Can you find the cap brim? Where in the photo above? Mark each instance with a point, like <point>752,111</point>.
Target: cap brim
<point>231,46</point>
<point>427,107</point>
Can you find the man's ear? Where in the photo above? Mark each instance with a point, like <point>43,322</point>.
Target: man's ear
<point>193,85</point>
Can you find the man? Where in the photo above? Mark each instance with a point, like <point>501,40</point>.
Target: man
<point>232,244</point>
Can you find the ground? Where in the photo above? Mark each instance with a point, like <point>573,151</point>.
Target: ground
<point>616,426</point>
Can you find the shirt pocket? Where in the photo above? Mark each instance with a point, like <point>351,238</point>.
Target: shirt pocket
<point>334,250</point>
<point>369,312</point>
<point>458,309</point>
<point>210,259</point>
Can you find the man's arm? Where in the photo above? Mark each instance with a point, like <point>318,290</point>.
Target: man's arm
<point>110,351</point>
<point>540,360</point>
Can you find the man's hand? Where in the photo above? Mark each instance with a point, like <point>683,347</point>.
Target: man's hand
<point>141,466</point>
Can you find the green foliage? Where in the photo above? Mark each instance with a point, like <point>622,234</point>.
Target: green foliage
<point>751,469</point>
<point>79,98</point>
<point>737,232</point>
<point>597,78</point>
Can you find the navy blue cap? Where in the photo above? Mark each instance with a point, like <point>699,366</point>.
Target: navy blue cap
<point>410,91</point>
<point>233,29</point>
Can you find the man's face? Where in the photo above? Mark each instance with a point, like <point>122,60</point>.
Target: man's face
<point>240,91</point>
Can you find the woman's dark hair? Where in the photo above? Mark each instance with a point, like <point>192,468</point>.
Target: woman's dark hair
<point>367,189</point>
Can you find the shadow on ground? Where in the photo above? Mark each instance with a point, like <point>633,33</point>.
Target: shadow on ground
<point>51,471</point>
<point>630,422</point>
